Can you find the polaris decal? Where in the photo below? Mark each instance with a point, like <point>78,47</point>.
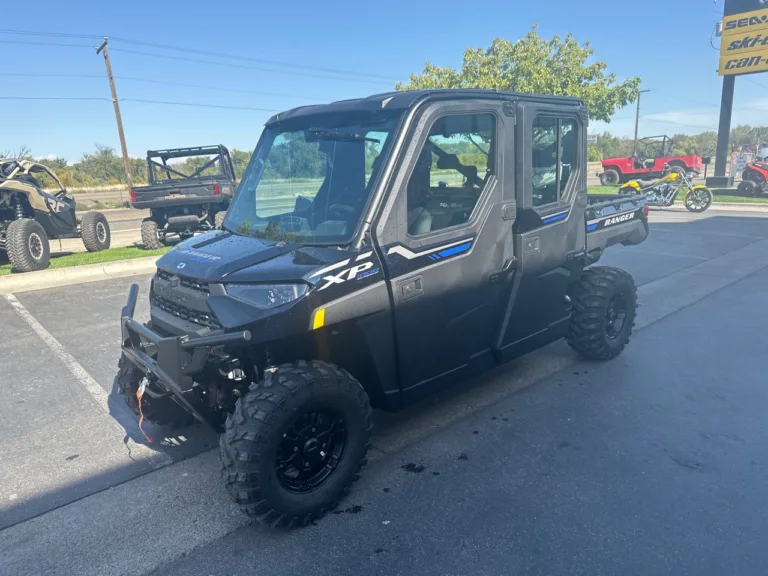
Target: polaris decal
<point>198,255</point>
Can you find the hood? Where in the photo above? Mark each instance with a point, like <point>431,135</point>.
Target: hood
<point>220,256</point>
<point>213,255</point>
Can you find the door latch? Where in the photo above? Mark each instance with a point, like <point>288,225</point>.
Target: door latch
<point>509,266</point>
<point>411,288</point>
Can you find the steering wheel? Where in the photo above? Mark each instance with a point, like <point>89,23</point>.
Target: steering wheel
<point>341,210</point>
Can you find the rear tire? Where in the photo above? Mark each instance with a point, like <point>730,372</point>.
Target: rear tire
<point>161,411</point>
<point>610,177</point>
<point>263,451</point>
<point>604,310</point>
<point>150,234</point>
<point>218,219</point>
<point>748,188</point>
<point>94,230</point>
<point>26,244</point>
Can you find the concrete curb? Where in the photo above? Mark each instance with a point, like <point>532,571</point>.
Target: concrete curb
<point>76,275</point>
<point>731,206</point>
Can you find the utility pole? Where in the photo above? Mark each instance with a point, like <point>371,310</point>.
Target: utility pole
<point>637,121</point>
<point>126,163</point>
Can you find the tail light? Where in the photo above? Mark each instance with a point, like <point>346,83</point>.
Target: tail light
<point>133,196</point>
<point>216,190</point>
<point>645,210</point>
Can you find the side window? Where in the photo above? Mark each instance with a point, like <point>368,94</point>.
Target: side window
<point>555,158</point>
<point>450,173</point>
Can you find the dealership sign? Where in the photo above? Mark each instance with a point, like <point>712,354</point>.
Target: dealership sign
<point>744,46</point>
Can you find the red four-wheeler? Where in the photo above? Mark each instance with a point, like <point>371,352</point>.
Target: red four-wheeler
<point>755,178</point>
<point>648,162</point>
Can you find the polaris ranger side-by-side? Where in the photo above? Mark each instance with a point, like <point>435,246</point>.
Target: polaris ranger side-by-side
<point>184,202</point>
<point>377,250</point>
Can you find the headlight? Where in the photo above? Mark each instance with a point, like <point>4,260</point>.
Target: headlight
<point>266,296</point>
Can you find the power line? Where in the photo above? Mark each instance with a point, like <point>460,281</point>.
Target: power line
<point>197,105</point>
<point>389,79</point>
<point>245,67</point>
<point>164,83</point>
<point>52,34</point>
<point>54,98</point>
<point>30,43</point>
<point>141,100</point>
<point>217,88</point>
<point>250,59</point>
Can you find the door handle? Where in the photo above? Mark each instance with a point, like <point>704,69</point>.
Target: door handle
<point>411,288</point>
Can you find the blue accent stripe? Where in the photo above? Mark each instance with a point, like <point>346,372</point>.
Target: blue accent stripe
<point>556,218</point>
<point>454,250</point>
<point>591,227</point>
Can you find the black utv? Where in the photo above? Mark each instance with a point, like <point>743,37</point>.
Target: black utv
<point>377,250</point>
<point>189,191</point>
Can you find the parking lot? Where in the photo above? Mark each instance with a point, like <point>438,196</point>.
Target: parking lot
<point>653,463</point>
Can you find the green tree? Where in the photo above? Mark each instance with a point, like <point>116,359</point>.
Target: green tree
<point>535,65</point>
<point>240,159</point>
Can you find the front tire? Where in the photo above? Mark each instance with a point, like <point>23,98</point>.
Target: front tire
<point>296,442</point>
<point>26,244</point>
<point>161,411</point>
<point>610,177</point>
<point>604,310</point>
<point>150,234</point>
<point>94,230</point>
<point>698,200</point>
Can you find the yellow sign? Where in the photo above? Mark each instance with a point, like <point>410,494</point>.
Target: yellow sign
<point>744,44</point>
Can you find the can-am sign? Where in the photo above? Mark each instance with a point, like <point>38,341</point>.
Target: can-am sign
<point>744,46</point>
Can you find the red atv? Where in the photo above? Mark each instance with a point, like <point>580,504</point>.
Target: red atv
<point>648,163</point>
<point>755,179</point>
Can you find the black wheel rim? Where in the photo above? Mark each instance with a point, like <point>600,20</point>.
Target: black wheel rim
<point>101,232</point>
<point>35,246</point>
<point>311,449</point>
<point>615,317</point>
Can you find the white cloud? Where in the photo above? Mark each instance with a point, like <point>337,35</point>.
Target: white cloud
<point>686,121</point>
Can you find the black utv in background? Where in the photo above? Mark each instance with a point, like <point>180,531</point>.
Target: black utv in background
<point>184,199</point>
<point>377,250</point>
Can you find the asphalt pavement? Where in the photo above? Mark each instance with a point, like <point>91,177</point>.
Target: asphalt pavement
<point>654,463</point>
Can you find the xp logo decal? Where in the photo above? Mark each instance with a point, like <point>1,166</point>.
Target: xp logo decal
<point>181,265</point>
<point>358,271</point>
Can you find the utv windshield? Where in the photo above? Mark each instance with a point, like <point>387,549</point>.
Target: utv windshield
<point>309,181</point>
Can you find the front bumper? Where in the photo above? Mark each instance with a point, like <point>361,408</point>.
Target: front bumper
<point>170,362</point>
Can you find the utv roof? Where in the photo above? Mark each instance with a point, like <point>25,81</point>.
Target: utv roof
<point>181,152</point>
<point>406,99</point>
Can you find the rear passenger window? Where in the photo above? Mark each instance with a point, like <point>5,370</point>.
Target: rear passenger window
<point>555,158</point>
<point>451,172</point>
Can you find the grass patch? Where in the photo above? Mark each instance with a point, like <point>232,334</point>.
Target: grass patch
<point>82,258</point>
<point>715,197</point>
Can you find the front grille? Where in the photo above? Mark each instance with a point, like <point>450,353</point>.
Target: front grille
<point>203,319</point>
<point>190,283</point>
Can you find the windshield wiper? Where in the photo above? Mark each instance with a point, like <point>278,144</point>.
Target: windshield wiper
<point>329,134</point>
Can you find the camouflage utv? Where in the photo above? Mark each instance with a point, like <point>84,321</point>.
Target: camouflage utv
<point>30,216</point>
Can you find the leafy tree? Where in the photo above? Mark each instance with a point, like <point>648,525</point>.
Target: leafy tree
<point>535,65</point>
<point>240,159</point>
<point>593,153</point>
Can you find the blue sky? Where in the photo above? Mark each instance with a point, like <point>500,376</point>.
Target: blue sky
<point>667,43</point>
